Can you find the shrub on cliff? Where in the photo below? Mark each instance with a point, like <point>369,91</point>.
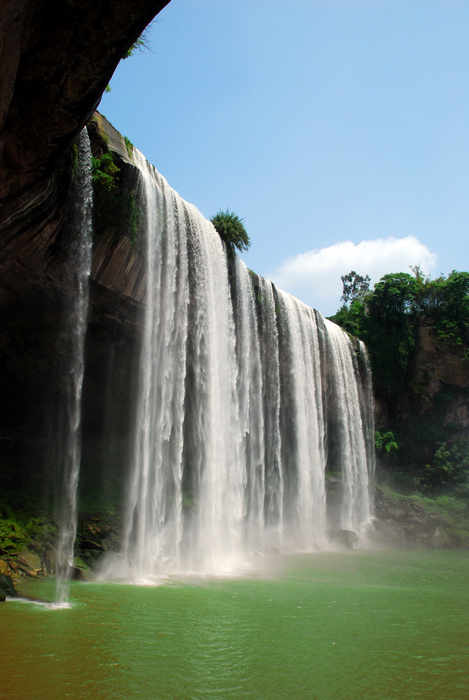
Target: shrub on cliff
<point>114,205</point>
<point>231,230</point>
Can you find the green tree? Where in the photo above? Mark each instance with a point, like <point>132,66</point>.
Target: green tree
<point>387,319</point>
<point>453,316</point>
<point>391,329</point>
<point>105,172</point>
<point>395,296</point>
<point>385,443</point>
<point>231,230</point>
<point>354,286</point>
<point>449,467</point>
<point>352,318</point>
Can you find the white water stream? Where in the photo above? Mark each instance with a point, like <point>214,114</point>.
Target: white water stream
<point>68,431</point>
<point>246,399</point>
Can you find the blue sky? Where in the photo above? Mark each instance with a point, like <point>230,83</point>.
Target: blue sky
<point>338,129</point>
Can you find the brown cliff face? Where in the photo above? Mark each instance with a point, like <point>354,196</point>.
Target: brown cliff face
<point>57,56</point>
<point>117,272</point>
<point>440,371</point>
<point>438,368</point>
<point>438,382</point>
<point>433,411</point>
<point>35,300</point>
<point>437,363</point>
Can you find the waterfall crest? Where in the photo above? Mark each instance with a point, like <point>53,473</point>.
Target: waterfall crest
<point>247,398</point>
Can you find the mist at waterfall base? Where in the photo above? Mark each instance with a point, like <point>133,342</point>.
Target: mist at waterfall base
<point>246,398</point>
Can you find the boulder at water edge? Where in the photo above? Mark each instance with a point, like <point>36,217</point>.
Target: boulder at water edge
<point>6,588</point>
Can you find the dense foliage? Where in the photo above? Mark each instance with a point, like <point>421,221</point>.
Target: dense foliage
<point>354,286</point>
<point>231,230</point>
<point>387,319</point>
<point>115,206</point>
<point>423,448</point>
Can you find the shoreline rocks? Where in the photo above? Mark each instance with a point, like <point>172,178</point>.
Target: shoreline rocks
<point>7,588</point>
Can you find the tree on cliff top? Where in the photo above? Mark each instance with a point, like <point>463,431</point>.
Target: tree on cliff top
<point>354,286</point>
<point>231,230</point>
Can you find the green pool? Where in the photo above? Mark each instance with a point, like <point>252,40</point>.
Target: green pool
<point>361,624</point>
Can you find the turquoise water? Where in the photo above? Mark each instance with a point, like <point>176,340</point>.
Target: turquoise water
<point>382,624</point>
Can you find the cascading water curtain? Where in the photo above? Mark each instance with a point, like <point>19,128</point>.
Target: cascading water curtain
<point>67,433</point>
<point>185,509</point>
<point>238,382</point>
<point>354,454</point>
<point>302,425</point>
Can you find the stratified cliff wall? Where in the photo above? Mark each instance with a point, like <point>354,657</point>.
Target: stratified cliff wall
<point>34,317</point>
<point>57,56</point>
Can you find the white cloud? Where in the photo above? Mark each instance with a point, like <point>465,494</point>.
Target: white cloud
<point>314,276</point>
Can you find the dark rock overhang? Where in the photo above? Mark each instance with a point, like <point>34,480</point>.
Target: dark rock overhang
<point>57,57</point>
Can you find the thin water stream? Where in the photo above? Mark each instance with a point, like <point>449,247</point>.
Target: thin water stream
<point>66,432</point>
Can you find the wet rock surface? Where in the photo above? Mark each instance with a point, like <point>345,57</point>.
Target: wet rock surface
<point>7,587</point>
<point>403,522</point>
<point>29,558</point>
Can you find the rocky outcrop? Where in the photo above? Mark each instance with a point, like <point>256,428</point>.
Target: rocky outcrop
<point>57,57</point>
<point>7,588</point>
<point>438,363</point>
<point>403,521</point>
<point>117,265</point>
<point>433,409</point>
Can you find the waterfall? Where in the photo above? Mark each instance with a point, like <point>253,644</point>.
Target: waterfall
<point>67,431</point>
<point>246,399</point>
<point>273,472</point>
<point>350,412</point>
<point>302,424</point>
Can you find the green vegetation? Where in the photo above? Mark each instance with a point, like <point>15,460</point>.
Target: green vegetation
<point>129,146</point>
<point>231,230</point>
<point>115,206</point>
<point>387,319</point>
<point>419,446</point>
<point>11,536</point>
<point>22,520</point>
<point>106,185</point>
<point>385,443</point>
<point>452,511</point>
<point>139,45</point>
<point>449,468</point>
<point>105,172</point>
